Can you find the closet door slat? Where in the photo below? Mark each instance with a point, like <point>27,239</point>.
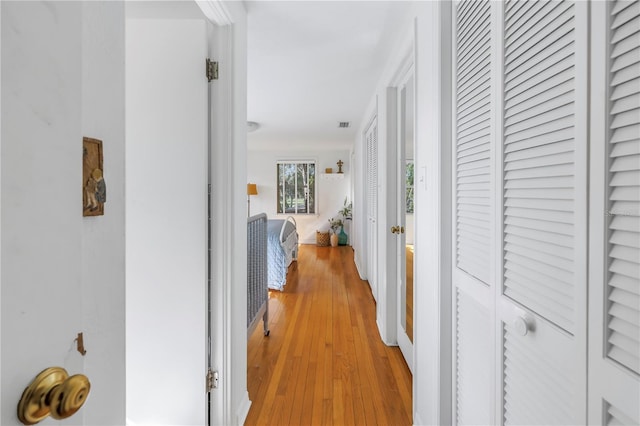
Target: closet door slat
<point>473,137</point>
<point>623,280</point>
<point>538,393</point>
<point>473,354</point>
<point>539,159</point>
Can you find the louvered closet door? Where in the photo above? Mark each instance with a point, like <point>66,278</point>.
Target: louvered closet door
<point>474,215</point>
<point>542,308</point>
<point>615,219</point>
<point>371,142</point>
<point>520,212</point>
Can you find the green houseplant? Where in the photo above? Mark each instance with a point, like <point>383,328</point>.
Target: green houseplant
<point>345,211</point>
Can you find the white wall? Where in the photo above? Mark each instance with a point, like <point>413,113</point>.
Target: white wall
<point>331,191</point>
<point>166,221</point>
<point>61,274</point>
<point>431,379</point>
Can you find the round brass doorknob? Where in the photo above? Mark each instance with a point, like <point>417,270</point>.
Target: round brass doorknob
<point>68,397</point>
<point>53,393</point>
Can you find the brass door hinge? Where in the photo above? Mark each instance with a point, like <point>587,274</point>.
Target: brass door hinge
<point>212,380</point>
<point>212,70</point>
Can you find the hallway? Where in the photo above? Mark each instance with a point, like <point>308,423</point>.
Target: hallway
<point>324,362</point>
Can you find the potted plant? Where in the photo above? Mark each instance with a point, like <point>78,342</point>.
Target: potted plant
<point>345,211</point>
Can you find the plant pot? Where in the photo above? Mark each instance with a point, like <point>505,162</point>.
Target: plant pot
<point>342,237</point>
<point>334,240</point>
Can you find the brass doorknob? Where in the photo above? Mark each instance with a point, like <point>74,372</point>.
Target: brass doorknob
<point>53,393</point>
<point>395,229</point>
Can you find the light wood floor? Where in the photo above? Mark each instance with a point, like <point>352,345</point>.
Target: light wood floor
<point>324,362</point>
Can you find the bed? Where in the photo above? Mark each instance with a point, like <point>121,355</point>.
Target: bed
<point>282,250</point>
<point>257,291</point>
<point>271,247</point>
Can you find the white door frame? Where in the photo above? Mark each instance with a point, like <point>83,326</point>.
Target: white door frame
<point>230,400</point>
<point>432,378</point>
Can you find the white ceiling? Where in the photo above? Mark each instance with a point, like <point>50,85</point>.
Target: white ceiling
<point>312,64</point>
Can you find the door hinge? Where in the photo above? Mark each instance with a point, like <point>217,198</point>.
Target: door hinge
<point>212,380</point>
<point>212,70</point>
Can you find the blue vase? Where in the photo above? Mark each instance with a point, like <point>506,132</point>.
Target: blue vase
<point>342,237</point>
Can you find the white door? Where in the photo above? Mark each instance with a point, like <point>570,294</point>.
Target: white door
<point>44,291</point>
<point>543,232</point>
<point>166,221</point>
<point>614,267</point>
<point>520,225</point>
<point>473,222</point>
<point>371,143</point>
<point>404,214</point>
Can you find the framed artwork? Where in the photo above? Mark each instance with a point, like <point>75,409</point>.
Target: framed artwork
<point>94,190</point>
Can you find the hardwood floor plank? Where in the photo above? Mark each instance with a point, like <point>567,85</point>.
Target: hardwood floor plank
<point>409,302</point>
<point>324,362</point>
<point>363,378</point>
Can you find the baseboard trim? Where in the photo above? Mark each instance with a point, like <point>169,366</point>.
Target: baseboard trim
<point>383,336</point>
<point>361,271</point>
<point>243,410</point>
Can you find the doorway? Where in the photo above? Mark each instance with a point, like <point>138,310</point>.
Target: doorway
<point>405,213</point>
<point>371,232</point>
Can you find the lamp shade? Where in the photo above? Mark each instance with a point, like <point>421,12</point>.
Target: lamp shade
<point>252,189</point>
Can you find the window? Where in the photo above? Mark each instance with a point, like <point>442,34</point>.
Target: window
<point>409,186</point>
<point>297,187</point>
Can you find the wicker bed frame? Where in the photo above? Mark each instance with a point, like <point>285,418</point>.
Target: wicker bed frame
<point>257,289</point>
<point>289,242</point>
<point>266,256</point>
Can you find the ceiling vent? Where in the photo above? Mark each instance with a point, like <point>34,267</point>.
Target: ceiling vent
<point>344,124</point>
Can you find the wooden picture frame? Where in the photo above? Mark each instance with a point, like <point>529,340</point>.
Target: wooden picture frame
<point>93,185</point>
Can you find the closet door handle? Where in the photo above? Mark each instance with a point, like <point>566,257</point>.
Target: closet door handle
<point>523,325</point>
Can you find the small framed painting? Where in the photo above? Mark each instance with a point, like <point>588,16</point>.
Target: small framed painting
<point>94,190</point>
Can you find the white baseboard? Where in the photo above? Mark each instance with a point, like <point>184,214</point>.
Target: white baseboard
<point>243,410</point>
<point>361,272</point>
<point>383,336</point>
